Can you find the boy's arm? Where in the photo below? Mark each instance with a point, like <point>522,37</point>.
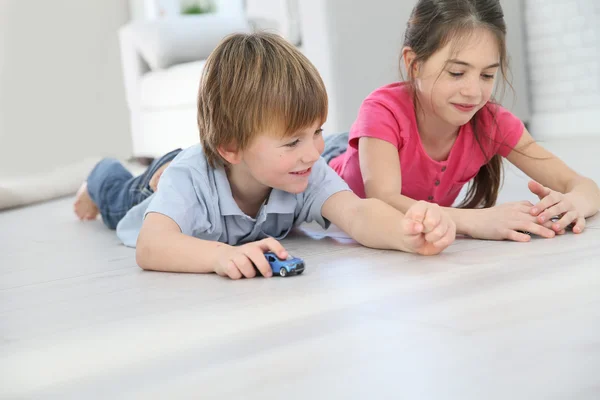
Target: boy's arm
<point>162,247</point>
<point>373,223</point>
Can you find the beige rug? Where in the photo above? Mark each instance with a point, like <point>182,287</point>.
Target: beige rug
<point>59,182</point>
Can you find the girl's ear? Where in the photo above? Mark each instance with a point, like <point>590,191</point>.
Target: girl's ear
<point>408,57</point>
<point>231,154</point>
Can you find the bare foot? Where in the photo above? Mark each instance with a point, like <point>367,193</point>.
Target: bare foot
<point>84,207</point>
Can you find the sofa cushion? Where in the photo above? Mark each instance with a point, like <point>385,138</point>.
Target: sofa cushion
<point>173,40</point>
<point>176,86</point>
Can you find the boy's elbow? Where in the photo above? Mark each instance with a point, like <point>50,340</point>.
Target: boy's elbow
<point>143,254</point>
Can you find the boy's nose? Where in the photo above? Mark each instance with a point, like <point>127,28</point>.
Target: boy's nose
<point>312,154</point>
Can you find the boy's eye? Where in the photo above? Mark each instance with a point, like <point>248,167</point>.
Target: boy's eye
<point>293,144</point>
<point>318,132</point>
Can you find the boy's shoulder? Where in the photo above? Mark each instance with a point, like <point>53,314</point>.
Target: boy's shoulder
<point>190,169</point>
<point>192,157</point>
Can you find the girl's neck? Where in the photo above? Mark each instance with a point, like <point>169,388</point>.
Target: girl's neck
<point>433,129</point>
<point>437,136</point>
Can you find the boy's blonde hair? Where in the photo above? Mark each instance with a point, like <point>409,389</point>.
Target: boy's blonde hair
<point>254,84</point>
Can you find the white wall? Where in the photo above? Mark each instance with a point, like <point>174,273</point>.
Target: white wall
<point>356,47</point>
<point>563,40</point>
<point>61,90</point>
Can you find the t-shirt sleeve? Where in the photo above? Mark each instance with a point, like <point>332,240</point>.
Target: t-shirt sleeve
<point>184,196</point>
<point>375,119</point>
<point>509,129</point>
<point>323,183</point>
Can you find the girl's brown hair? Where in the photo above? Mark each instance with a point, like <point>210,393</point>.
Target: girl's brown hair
<point>253,84</point>
<point>432,25</point>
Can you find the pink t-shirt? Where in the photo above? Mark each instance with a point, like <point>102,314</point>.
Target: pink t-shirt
<point>389,114</point>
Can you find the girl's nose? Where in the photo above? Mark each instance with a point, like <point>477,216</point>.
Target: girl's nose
<point>471,88</point>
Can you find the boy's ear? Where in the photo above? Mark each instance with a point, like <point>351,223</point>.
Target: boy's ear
<point>231,154</point>
<point>408,57</point>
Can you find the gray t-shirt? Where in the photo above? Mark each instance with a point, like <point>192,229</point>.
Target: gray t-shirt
<point>198,198</point>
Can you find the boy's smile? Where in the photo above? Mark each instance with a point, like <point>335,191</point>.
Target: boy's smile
<point>273,161</point>
<point>302,173</point>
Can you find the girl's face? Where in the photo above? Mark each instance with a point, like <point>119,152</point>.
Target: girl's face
<point>453,85</point>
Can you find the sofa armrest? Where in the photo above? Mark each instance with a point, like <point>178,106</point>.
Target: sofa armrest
<point>133,65</point>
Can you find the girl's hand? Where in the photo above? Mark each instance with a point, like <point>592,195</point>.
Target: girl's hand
<point>508,221</point>
<point>555,204</point>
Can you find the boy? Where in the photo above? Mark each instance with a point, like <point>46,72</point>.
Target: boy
<point>256,173</point>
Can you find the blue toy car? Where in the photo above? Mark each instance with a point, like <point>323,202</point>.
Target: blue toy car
<point>289,266</point>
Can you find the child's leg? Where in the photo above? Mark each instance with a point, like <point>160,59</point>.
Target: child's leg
<point>335,145</point>
<point>114,190</point>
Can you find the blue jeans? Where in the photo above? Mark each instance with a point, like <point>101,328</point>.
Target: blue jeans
<point>115,190</point>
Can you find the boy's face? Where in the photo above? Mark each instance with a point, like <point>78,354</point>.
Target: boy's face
<point>454,86</point>
<point>284,163</point>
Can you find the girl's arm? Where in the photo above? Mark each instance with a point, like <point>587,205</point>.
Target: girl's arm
<point>561,190</point>
<point>380,169</point>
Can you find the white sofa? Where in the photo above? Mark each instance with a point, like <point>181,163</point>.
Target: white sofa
<point>163,59</point>
<point>162,63</point>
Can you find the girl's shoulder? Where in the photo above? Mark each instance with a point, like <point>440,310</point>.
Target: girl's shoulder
<point>395,100</point>
<point>500,126</point>
<point>495,115</point>
<point>397,94</point>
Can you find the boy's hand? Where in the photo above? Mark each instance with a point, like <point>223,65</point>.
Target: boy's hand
<point>236,262</point>
<point>428,229</point>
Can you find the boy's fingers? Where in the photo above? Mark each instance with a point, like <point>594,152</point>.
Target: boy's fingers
<point>257,257</point>
<point>274,246</point>
<point>432,218</point>
<point>417,211</point>
<point>411,227</point>
<point>244,265</point>
<point>437,233</point>
<point>232,270</point>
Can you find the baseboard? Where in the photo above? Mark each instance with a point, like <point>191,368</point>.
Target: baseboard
<point>564,124</point>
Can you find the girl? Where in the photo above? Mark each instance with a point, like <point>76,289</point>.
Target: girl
<point>425,138</point>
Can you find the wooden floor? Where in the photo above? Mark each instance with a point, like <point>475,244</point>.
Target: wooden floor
<point>485,320</point>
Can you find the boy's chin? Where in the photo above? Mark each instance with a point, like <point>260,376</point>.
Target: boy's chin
<point>296,188</point>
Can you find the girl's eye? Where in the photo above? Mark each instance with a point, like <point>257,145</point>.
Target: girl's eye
<point>455,74</point>
<point>487,76</point>
<point>293,144</point>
